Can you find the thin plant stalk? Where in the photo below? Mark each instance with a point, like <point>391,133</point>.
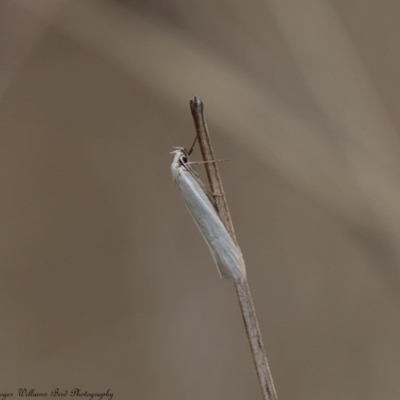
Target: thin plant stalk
<point>242,289</point>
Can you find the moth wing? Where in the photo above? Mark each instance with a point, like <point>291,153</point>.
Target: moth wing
<point>224,251</point>
<point>196,176</point>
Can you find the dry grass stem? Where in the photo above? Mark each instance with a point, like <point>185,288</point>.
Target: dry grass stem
<point>242,289</point>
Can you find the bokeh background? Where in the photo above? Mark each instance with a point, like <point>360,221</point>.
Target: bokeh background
<point>105,281</point>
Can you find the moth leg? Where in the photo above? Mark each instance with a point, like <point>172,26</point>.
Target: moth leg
<point>205,162</point>
<point>214,194</point>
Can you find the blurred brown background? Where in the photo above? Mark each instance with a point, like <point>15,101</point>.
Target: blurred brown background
<point>105,281</point>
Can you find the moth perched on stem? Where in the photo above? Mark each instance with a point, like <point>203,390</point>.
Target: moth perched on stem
<point>224,250</point>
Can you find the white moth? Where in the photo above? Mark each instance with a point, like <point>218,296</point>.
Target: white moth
<point>224,251</point>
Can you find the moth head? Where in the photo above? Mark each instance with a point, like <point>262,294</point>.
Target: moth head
<point>180,156</point>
